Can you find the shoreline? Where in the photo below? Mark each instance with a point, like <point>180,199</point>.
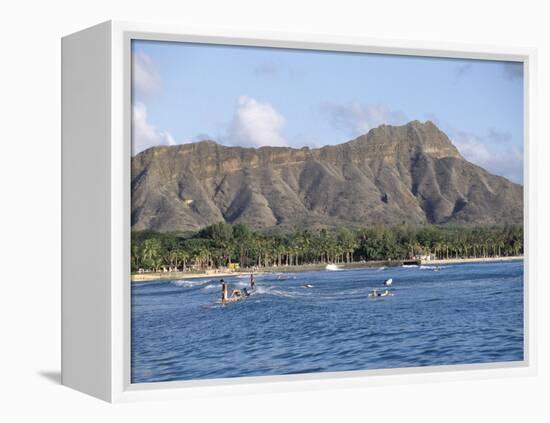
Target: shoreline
<point>167,276</point>
<point>151,277</point>
<point>470,260</point>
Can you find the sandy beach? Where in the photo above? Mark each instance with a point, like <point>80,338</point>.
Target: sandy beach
<point>152,276</point>
<point>148,277</point>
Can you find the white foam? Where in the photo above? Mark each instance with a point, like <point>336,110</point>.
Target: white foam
<point>271,290</point>
<point>190,283</point>
<point>211,287</point>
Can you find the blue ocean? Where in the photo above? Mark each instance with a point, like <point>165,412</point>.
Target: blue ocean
<point>462,313</point>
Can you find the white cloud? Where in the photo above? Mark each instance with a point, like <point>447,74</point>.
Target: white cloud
<point>472,148</point>
<point>145,77</point>
<point>256,124</point>
<point>145,135</point>
<point>499,137</point>
<point>500,159</point>
<point>357,118</point>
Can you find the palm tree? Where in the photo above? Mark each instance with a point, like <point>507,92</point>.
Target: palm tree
<point>135,257</point>
<point>517,245</point>
<point>183,256</point>
<point>150,252</point>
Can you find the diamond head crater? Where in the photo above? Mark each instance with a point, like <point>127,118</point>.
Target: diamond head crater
<point>391,175</point>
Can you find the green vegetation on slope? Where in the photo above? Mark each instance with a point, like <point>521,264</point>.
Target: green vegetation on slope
<point>220,244</point>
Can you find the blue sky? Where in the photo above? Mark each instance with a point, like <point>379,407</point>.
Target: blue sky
<point>251,96</point>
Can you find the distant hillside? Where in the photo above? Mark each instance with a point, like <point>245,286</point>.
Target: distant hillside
<point>392,174</point>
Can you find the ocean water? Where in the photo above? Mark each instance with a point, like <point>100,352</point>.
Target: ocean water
<point>465,313</point>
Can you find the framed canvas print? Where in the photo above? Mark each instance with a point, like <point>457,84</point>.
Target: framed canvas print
<point>272,211</point>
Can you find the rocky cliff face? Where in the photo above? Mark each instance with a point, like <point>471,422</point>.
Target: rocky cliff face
<point>393,174</point>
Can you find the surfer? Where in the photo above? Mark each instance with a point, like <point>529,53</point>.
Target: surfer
<point>252,281</point>
<point>375,293</point>
<point>236,294</point>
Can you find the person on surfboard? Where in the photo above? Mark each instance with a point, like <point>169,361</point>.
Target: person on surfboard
<point>224,290</point>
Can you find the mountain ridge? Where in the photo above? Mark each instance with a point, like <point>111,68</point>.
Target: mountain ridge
<point>410,173</point>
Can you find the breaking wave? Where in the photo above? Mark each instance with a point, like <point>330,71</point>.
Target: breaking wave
<point>190,283</point>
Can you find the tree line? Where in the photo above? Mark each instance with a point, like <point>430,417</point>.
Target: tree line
<point>221,244</point>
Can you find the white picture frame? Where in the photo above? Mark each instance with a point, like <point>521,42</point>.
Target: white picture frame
<point>96,151</point>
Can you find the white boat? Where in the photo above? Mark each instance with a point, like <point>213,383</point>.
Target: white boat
<point>332,267</point>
